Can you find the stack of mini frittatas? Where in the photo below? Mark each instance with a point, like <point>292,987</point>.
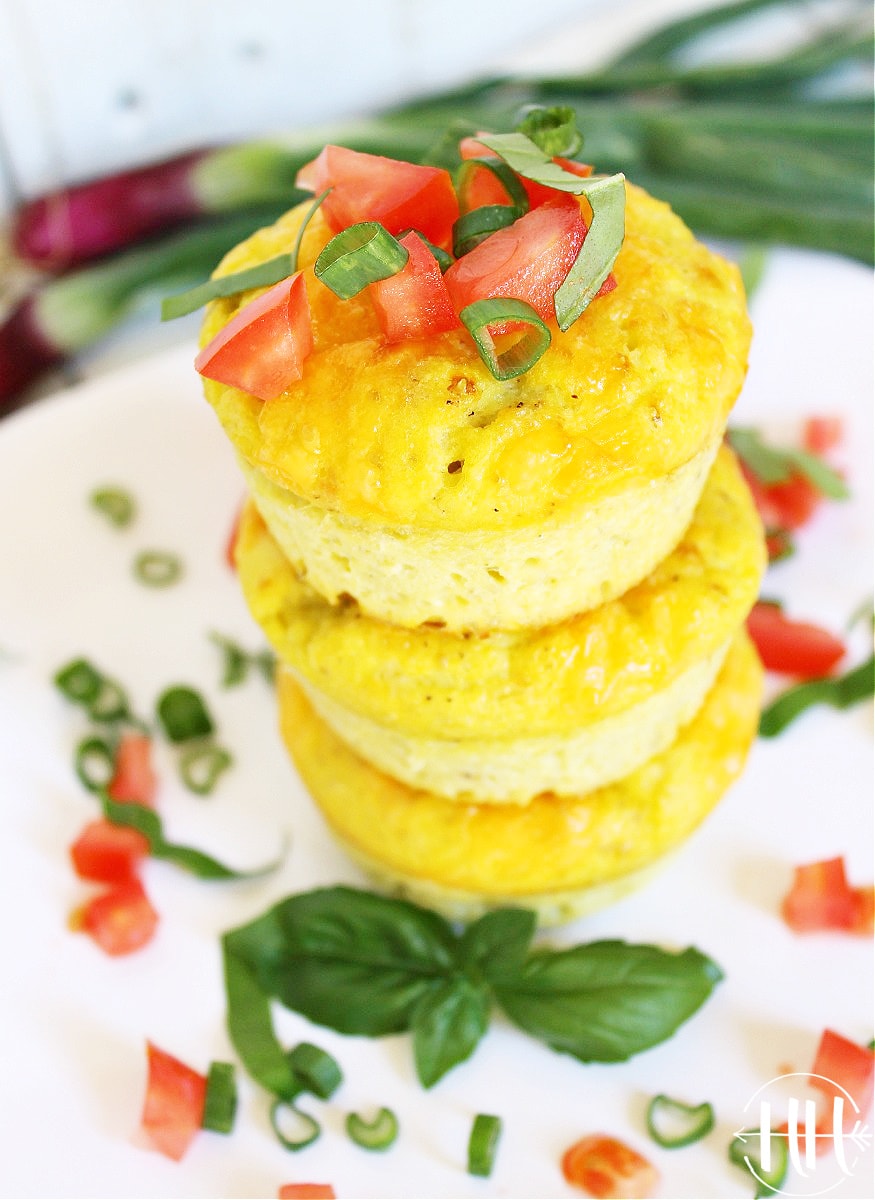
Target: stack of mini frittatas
<point>509,614</point>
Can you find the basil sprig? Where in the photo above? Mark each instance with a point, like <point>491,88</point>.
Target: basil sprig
<point>773,464</point>
<point>838,691</point>
<point>370,965</point>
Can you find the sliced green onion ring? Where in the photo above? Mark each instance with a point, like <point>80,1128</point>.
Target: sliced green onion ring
<point>599,251</point>
<point>744,1151</point>
<point>111,702</point>
<point>517,196</point>
<point>520,356</point>
<point>308,1127</point>
<point>553,129</point>
<point>201,766</point>
<point>79,681</point>
<point>183,714</point>
<point>673,1124</point>
<point>95,763</point>
<point>377,1134</point>
<point>483,1144</point>
<point>359,255</point>
<point>220,1104</point>
<point>262,275</point>
<point>472,227</point>
<point>115,503</point>
<point>157,568</point>
<point>317,1070</point>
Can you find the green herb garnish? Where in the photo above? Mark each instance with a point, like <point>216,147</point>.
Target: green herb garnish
<point>839,691</point>
<point>369,965</point>
<point>201,766</point>
<point>522,354</point>
<point>744,1151</point>
<point>220,1105</point>
<point>157,568</point>
<point>357,256</point>
<point>553,130</point>
<point>183,714</point>
<point>115,503</point>
<point>376,1134</point>
<point>673,1124</point>
<point>483,1144</point>
<point>236,661</point>
<point>773,465</point>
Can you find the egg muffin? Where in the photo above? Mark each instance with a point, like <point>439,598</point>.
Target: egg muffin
<point>506,715</point>
<point>406,477</point>
<point>558,855</point>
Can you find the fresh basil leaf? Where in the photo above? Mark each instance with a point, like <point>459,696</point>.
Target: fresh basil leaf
<point>841,691</point>
<point>249,1020</point>
<point>497,943</point>
<point>773,465</point>
<point>606,1001</point>
<point>354,961</point>
<point>147,821</point>
<point>447,1024</point>
<point>598,253</point>
<point>521,153</point>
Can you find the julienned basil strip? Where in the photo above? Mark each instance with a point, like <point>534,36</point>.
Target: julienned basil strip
<point>136,816</point>
<point>262,275</point>
<point>772,464</point>
<point>598,253</point>
<point>357,256</point>
<point>371,965</point>
<point>522,354</point>
<point>842,691</point>
<point>521,153</point>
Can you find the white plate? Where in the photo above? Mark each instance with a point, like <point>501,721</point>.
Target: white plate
<point>74,1023</point>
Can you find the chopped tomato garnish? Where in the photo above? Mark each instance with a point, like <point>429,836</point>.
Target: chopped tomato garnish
<point>840,1063</point>
<point>783,506</point>
<point>121,919</point>
<point>415,301</point>
<point>822,899</point>
<point>821,434</point>
<point>134,780</point>
<point>369,187</point>
<point>262,348</point>
<point>793,647</point>
<point>606,1167</point>
<point>173,1110</point>
<point>108,853</point>
<point>306,1191</point>
<point>527,260</point>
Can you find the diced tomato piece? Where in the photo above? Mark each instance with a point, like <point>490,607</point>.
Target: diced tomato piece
<point>793,647</point>
<point>134,780</point>
<point>121,919</point>
<point>415,301</point>
<point>173,1110</point>
<point>606,1167</point>
<point>528,260</point>
<point>306,1191</point>
<point>822,899</point>
<point>783,506</point>
<point>369,187</point>
<point>821,434</point>
<point>108,853</point>
<point>262,349</point>
<point>840,1063</point>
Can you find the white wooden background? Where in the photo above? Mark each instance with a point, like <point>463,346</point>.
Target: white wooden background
<point>88,86</point>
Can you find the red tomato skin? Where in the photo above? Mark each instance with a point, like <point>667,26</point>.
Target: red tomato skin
<point>107,853</point>
<point>173,1110</point>
<point>369,187</point>
<point>528,260</point>
<point>306,1191</point>
<point>121,920</point>
<point>850,1066</point>
<point>263,347</point>
<point>820,898</point>
<point>134,780</point>
<point>821,434</point>
<point>606,1167</point>
<point>793,647</point>
<point>415,301</point>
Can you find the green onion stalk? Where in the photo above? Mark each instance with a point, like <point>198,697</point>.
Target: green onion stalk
<point>773,151</point>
